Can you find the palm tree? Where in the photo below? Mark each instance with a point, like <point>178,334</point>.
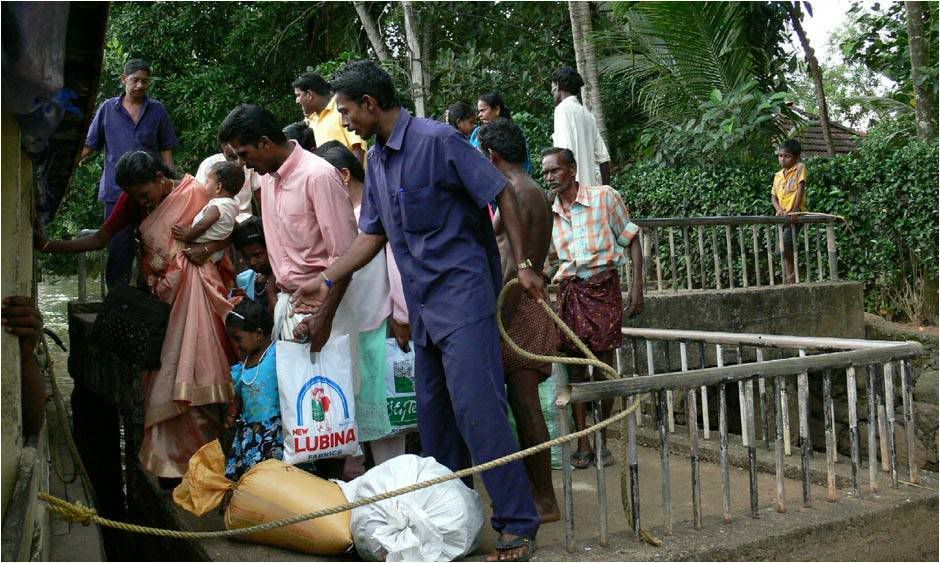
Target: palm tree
<point>586,59</point>
<point>925,105</point>
<point>815,73</point>
<point>418,74</point>
<point>672,55</point>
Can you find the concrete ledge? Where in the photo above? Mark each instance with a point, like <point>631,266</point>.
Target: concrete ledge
<point>812,309</point>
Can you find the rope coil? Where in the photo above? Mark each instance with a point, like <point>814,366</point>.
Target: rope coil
<point>77,512</point>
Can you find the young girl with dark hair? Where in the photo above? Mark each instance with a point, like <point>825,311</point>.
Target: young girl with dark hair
<point>461,117</point>
<point>256,412</point>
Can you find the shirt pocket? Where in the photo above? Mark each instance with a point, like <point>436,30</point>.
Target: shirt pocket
<point>147,138</point>
<point>424,209</point>
<point>300,234</point>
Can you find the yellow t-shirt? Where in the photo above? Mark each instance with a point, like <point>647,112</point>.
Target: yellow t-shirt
<point>328,126</point>
<point>787,183</point>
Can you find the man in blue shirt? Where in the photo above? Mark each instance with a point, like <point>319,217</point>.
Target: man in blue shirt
<point>426,193</point>
<point>126,123</point>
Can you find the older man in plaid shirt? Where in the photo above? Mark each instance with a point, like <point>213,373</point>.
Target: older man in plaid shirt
<point>591,234</point>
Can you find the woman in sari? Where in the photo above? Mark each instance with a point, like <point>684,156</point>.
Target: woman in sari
<point>184,399</point>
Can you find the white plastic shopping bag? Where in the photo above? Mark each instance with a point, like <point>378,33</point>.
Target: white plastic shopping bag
<point>400,381</point>
<point>439,523</point>
<point>318,409</point>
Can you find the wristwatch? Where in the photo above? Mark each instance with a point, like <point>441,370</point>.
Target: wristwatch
<point>527,263</point>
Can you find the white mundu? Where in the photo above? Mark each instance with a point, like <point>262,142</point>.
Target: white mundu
<point>576,129</point>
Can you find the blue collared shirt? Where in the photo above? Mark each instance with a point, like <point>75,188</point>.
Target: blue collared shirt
<point>427,190</point>
<point>115,130</point>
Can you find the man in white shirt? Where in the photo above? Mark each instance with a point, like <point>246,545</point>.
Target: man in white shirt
<point>576,129</point>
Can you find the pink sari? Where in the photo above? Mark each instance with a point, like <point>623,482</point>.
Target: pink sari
<point>182,399</point>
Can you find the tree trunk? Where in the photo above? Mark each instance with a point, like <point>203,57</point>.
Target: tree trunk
<point>427,56</point>
<point>578,39</point>
<point>925,106</point>
<point>589,72</point>
<point>815,74</point>
<point>415,62</point>
<point>372,31</point>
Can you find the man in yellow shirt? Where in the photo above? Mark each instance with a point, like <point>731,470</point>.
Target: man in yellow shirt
<point>789,195</point>
<point>316,100</point>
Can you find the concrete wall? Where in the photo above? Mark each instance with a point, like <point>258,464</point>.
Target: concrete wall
<point>17,279</point>
<point>819,309</point>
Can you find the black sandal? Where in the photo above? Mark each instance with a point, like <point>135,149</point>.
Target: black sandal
<point>581,459</point>
<point>519,541</point>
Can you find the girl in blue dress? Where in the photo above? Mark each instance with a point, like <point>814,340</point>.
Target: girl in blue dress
<point>256,412</point>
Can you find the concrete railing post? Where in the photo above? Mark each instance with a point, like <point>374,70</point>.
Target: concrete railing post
<point>831,247</point>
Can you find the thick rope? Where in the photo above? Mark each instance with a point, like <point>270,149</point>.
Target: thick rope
<point>77,512</point>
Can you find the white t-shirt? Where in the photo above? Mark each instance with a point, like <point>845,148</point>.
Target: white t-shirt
<point>373,305</point>
<point>576,129</point>
<point>221,229</point>
<point>252,183</point>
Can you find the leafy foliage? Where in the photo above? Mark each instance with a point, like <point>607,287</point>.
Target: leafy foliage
<point>673,56</point>
<point>887,192</point>
<point>737,126</point>
<point>877,39</point>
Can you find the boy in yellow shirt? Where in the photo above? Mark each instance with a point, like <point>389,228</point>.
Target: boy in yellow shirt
<point>789,195</point>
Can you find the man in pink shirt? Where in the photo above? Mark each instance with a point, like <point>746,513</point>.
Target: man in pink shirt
<point>307,214</point>
<point>308,223</point>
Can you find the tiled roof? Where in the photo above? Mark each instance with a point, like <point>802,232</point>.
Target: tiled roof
<point>810,135</point>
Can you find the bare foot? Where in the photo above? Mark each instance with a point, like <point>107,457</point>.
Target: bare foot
<point>548,511</point>
<point>522,551</point>
<point>546,516</point>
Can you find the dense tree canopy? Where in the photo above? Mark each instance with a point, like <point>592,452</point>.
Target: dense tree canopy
<point>690,83</point>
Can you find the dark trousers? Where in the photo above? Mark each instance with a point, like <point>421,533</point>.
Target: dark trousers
<point>461,393</point>
<point>120,253</point>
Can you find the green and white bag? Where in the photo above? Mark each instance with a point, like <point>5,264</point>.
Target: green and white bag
<point>400,380</point>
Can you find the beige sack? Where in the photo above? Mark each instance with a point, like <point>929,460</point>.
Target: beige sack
<point>273,490</point>
<point>269,491</point>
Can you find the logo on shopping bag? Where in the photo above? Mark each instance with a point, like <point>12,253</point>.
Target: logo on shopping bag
<point>324,396</point>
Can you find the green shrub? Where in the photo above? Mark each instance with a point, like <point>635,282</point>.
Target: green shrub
<point>886,191</point>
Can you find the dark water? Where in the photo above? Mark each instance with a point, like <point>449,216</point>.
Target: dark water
<point>54,294</point>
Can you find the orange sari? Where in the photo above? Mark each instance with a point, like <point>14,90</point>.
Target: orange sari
<point>182,399</point>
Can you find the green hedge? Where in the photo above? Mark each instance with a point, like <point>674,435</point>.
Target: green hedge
<point>886,190</point>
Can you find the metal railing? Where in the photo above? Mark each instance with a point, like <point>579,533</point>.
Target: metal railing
<point>740,360</point>
<point>102,257</point>
<point>729,252</point>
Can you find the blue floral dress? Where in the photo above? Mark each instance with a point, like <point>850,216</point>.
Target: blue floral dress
<point>258,434</point>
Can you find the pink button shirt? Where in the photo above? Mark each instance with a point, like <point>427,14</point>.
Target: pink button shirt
<point>308,218</point>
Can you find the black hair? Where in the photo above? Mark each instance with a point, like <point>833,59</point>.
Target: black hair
<point>341,157</point>
<point>568,79</point>
<point>458,112</point>
<point>133,65</point>
<point>230,175</point>
<point>301,132</point>
<point>505,138</point>
<point>312,82</point>
<point>139,167</point>
<point>792,146</point>
<point>249,231</point>
<point>494,100</point>
<point>250,316</point>
<point>569,156</point>
<point>364,77</point>
<point>247,123</point>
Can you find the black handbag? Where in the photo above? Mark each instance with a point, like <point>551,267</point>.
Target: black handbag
<point>132,325</point>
